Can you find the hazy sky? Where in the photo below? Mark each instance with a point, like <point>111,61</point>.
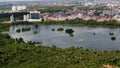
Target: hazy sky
<point>52,0</point>
<point>29,0</point>
<point>18,0</point>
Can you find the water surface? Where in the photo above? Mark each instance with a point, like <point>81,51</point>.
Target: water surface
<point>83,36</point>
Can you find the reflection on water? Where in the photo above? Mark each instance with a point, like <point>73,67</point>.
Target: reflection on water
<point>83,36</point>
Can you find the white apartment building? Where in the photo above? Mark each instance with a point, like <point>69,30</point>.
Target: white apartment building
<point>18,8</point>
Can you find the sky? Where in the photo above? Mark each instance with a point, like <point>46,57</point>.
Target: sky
<point>17,0</point>
<point>28,0</point>
<point>48,0</point>
<point>31,0</point>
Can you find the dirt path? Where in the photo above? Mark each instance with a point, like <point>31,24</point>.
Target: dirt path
<point>109,66</point>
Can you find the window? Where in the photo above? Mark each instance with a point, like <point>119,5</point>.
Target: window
<point>35,16</point>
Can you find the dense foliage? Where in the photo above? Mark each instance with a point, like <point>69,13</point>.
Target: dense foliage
<point>65,8</point>
<point>5,7</point>
<point>26,29</point>
<point>77,21</point>
<point>4,27</point>
<point>96,7</point>
<point>50,8</point>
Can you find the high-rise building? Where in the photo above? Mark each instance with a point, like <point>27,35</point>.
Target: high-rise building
<point>34,16</point>
<point>18,8</point>
<point>25,18</point>
<point>80,15</point>
<point>28,16</point>
<point>14,8</point>
<point>75,8</point>
<point>12,18</point>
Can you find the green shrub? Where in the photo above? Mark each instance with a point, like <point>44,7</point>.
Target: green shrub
<point>60,29</point>
<point>113,38</point>
<point>26,29</point>
<point>111,33</point>
<point>35,32</point>
<point>94,33</point>
<point>53,29</point>
<point>36,26</point>
<point>69,31</point>
<point>18,30</point>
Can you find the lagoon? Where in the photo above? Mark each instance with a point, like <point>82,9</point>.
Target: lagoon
<point>90,37</point>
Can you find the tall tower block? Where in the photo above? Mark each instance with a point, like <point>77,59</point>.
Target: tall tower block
<point>12,18</point>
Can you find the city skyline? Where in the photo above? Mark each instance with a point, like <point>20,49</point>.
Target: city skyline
<point>53,0</point>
